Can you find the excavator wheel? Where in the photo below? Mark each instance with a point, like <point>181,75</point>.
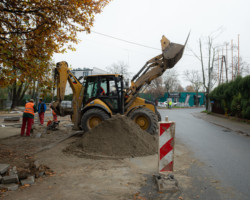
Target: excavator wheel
<point>158,116</point>
<point>146,119</point>
<point>92,118</point>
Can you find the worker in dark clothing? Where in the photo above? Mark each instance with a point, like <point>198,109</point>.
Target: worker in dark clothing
<point>41,110</point>
<point>28,117</point>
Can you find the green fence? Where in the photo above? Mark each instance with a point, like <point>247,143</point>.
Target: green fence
<point>178,97</point>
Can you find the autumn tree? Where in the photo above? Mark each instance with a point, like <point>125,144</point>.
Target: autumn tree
<point>189,88</point>
<point>179,88</point>
<point>22,68</point>
<point>31,31</point>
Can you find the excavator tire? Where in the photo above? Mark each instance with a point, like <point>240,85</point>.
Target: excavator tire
<point>92,118</point>
<point>146,119</point>
<point>158,116</point>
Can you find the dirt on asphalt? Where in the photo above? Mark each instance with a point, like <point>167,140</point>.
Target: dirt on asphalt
<point>19,151</point>
<point>117,137</point>
<point>104,179</point>
<point>79,177</point>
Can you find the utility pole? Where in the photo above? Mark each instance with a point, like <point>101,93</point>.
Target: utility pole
<point>226,60</point>
<point>238,55</point>
<point>232,59</point>
<point>218,67</point>
<point>221,69</point>
<point>222,66</point>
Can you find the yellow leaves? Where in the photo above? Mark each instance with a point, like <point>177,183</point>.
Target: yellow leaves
<point>25,185</point>
<point>40,29</point>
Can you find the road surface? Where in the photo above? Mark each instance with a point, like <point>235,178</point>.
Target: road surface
<point>225,153</point>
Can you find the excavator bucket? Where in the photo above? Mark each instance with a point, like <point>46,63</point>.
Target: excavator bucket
<point>172,52</point>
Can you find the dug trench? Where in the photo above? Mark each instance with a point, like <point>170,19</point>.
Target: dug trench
<point>116,160</point>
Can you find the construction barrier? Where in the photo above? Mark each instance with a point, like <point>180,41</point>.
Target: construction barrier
<point>166,146</point>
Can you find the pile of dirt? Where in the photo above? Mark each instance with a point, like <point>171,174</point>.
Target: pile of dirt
<point>117,137</point>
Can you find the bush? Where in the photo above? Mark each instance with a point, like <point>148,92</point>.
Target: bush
<point>246,113</point>
<point>236,106</point>
<point>233,97</point>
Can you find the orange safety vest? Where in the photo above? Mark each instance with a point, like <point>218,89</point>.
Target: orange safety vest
<point>53,112</point>
<point>29,108</point>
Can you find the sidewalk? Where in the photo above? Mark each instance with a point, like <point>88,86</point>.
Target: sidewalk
<point>14,128</point>
<point>236,126</point>
<point>9,131</point>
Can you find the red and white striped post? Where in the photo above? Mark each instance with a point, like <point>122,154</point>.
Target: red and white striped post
<point>166,146</point>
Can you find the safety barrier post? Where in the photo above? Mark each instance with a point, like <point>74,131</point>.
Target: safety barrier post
<point>166,146</point>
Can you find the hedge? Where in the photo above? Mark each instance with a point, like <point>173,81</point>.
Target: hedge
<point>233,97</point>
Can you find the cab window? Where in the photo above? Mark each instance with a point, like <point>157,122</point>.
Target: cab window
<point>103,86</point>
<point>91,90</point>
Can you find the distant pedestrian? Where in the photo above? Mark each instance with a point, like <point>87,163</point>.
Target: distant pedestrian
<point>28,117</point>
<point>41,110</point>
<point>156,102</point>
<point>170,104</point>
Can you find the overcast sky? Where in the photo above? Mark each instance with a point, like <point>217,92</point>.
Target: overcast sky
<point>145,21</point>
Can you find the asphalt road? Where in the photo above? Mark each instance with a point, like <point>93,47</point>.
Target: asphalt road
<point>225,153</point>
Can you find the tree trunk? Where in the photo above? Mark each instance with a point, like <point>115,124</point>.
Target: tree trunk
<point>197,99</point>
<point>207,92</point>
<point>33,95</point>
<point>209,109</point>
<point>206,102</point>
<point>17,94</point>
<point>13,96</point>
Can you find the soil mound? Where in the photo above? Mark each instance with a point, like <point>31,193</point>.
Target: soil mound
<point>117,137</point>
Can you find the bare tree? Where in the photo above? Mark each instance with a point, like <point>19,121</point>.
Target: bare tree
<point>156,88</point>
<point>194,78</point>
<point>119,68</point>
<point>208,74</point>
<point>244,68</point>
<point>171,81</point>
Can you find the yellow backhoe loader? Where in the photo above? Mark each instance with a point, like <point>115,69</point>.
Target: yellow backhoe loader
<point>101,96</point>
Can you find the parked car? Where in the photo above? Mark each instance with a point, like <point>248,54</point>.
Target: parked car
<point>161,104</point>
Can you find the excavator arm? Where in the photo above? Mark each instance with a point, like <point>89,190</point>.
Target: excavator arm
<point>61,77</point>
<point>171,54</point>
<point>155,67</point>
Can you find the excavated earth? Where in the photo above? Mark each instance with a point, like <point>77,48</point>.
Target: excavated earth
<point>117,137</point>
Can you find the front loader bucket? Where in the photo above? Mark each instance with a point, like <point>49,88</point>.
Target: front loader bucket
<point>155,67</point>
<point>172,52</point>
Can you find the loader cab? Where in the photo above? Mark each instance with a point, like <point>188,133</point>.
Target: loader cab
<point>108,88</point>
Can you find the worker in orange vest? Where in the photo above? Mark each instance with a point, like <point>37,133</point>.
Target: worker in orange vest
<point>28,117</point>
